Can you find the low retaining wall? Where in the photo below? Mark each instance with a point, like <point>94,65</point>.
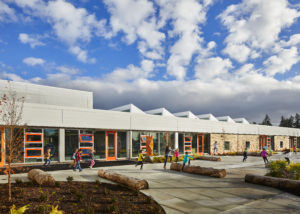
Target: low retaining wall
<point>288,185</point>
<point>41,177</point>
<point>218,173</point>
<point>130,182</point>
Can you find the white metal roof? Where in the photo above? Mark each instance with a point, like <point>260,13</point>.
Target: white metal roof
<point>160,111</point>
<point>241,120</point>
<point>186,114</point>
<point>128,108</point>
<point>207,117</point>
<point>226,119</point>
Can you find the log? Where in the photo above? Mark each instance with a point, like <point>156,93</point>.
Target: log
<point>132,183</point>
<point>288,185</point>
<point>218,173</point>
<point>41,177</point>
<point>208,158</point>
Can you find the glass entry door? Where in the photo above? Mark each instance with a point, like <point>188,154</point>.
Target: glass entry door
<point>111,145</point>
<point>2,147</point>
<point>200,143</point>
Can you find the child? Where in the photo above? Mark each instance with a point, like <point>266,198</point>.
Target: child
<point>185,159</point>
<point>287,156</point>
<point>245,154</point>
<point>74,157</point>
<point>78,158</point>
<point>264,155</point>
<point>92,158</point>
<point>167,151</point>
<point>47,157</point>
<point>140,160</point>
<point>176,154</point>
<point>215,148</point>
<point>294,149</point>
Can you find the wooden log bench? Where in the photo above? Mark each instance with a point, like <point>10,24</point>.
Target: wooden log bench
<point>208,158</point>
<point>41,177</point>
<point>287,185</point>
<point>218,173</point>
<point>132,183</point>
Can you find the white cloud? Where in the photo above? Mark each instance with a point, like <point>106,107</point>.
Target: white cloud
<point>255,24</point>
<point>33,41</point>
<point>136,18</point>
<point>212,67</point>
<point>32,61</point>
<point>185,17</point>
<point>238,52</point>
<point>7,13</point>
<point>71,25</point>
<point>282,62</point>
<point>68,70</point>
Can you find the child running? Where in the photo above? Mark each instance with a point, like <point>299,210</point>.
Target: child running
<point>287,156</point>
<point>78,158</point>
<point>245,154</point>
<point>140,160</point>
<point>47,157</point>
<point>92,163</point>
<point>185,159</point>
<point>264,155</point>
<point>176,155</point>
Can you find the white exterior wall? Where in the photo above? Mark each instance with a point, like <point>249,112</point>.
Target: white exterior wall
<point>49,95</point>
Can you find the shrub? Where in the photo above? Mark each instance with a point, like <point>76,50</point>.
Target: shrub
<point>276,168</point>
<point>18,181</point>
<point>57,184</point>
<point>55,210</point>
<point>43,196</point>
<point>21,210</point>
<point>294,171</point>
<point>98,182</point>
<point>70,179</point>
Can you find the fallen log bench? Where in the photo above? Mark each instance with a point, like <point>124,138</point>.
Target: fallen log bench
<point>41,177</point>
<point>132,183</point>
<point>208,158</point>
<point>287,185</point>
<point>218,173</point>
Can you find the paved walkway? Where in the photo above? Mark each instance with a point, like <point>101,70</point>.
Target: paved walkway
<point>185,193</point>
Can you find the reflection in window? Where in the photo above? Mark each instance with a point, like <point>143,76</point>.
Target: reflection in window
<point>18,145</point>
<point>51,142</point>
<point>122,151</point>
<point>99,144</point>
<point>71,143</point>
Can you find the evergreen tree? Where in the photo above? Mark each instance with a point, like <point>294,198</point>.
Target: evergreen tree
<point>297,121</point>
<point>290,122</point>
<point>267,121</point>
<point>283,122</point>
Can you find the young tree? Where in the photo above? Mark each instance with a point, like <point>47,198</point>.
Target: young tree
<point>11,110</point>
<point>267,121</point>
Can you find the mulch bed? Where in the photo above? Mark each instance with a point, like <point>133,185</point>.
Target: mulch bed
<point>77,197</point>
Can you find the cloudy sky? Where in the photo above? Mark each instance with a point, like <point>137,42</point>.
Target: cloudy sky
<point>226,57</point>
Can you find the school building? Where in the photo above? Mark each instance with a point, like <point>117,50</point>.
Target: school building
<point>64,119</point>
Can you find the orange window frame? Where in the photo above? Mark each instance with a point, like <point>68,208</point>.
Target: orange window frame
<point>86,141</point>
<point>89,148</point>
<point>41,156</point>
<point>39,134</point>
<point>143,139</point>
<point>188,146</point>
<point>2,147</point>
<point>106,139</point>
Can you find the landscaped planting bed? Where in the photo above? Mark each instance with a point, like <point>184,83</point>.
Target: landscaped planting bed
<point>77,197</point>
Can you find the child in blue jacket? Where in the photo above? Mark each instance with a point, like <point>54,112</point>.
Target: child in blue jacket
<point>185,159</point>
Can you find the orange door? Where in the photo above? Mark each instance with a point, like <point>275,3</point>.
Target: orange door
<point>2,147</point>
<point>111,145</point>
<point>200,143</point>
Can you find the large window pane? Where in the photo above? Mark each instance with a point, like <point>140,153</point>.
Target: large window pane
<point>99,144</point>
<point>71,142</point>
<point>122,151</point>
<point>166,138</point>
<point>17,145</point>
<point>135,143</point>
<point>51,142</point>
<point>180,142</point>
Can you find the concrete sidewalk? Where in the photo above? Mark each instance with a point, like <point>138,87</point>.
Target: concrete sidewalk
<point>180,192</point>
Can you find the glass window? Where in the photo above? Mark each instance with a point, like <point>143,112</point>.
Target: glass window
<point>34,137</point>
<point>135,143</point>
<point>34,130</point>
<point>194,144</point>
<point>17,145</point>
<point>71,143</point>
<point>166,138</point>
<point>180,142</point>
<point>122,146</point>
<point>226,145</point>
<point>281,144</point>
<point>99,144</point>
<point>86,132</point>
<point>51,142</point>
<point>248,144</point>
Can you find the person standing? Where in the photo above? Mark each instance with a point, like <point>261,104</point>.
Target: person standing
<point>176,155</point>
<point>47,157</point>
<point>92,163</point>
<point>140,160</point>
<point>170,154</point>
<point>264,156</point>
<point>74,157</point>
<point>245,154</point>
<point>215,148</point>
<point>294,150</point>
<point>185,159</point>
<point>167,150</point>
<point>78,158</point>
<point>287,156</point>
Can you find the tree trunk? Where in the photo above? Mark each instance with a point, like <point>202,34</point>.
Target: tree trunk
<point>218,173</point>
<point>9,181</point>
<point>41,177</point>
<point>130,182</point>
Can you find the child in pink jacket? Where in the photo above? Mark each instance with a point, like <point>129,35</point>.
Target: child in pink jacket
<point>176,154</point>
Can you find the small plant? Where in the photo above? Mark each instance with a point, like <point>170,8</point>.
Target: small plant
<point>149,200</point>
<point>135,192</point>
<point>114,200</point>
<point>18,181</point>
<point>70,179</point>
<point>106,191</point>
<point>21,210</point>
<point>30,183</point>
<point>42,208</point>
<point>112,208</point>
<point>79,197</point>
<point>98,182</point>
<point>57,184</point>
<point>55,210</point>
<point>43,196</point>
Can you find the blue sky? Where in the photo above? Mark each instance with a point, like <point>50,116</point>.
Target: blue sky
<point>237,58</point>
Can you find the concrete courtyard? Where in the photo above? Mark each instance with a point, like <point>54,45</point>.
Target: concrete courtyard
<point>180,192</point>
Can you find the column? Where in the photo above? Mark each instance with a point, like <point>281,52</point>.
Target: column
<point>61,145</point>
<point>176,140</point>
<point>129,144</point>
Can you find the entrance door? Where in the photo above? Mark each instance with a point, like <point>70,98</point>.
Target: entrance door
<point>111,145</point>
<point>200,144</point>
<point>2,147</point>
